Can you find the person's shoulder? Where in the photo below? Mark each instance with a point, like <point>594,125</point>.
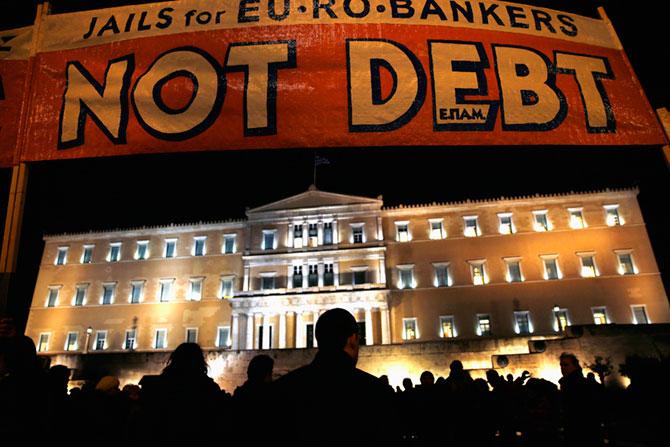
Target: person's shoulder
<point>296,376</point>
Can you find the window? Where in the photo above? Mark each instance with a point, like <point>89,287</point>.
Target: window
<point>505,224</point>
<point>136,292</point>
<point>192,335</point>
<point>328,275</point>
<point>313,234</point>
<point>130,341</point>
<point>195,289</point>
<point>229,244</point>
<point>588,262</point>
<point>87,254</point>
<point>513,266</point>
<point>551,269</point>
<point>108,290</point>
<point>409,329</point>
<point>71,341</point>
<point>297,236</point>
<point>80,295</point>
<point>522,323</point>
<point>447,326</point>
<point>52,297</point>
<point>600,315</point>
<point>442,275</point>
<point>313,276</point>
<point>43,343</point>
<point>406,277</point>
<point>165,290</point>
<point>199,248</point>
<point>362,340</point>
<point>297,276</point>
<point>576,218</point>
<point>541,221</point>
<point>269,239</point>
<point>478,272</point>
<point>437,229</point>
<point>223,337</point>
<point>160,340</point>
<point>626,265</point>
<point>142,250</point>
<point>170,248</point>
<point>100,341</point>
<point>61,256</point>
<point>359,275</point>
<point>471,226</point>
<point>639,314</point>
<point>309,335</point>
<point>227,286</point>
<point>483,325</point>
<point>402,232</point>
<point>357,233</point>
<point>612,217</point>
<point>267,281</point>
<point>114,254</point>
<point>327,233</point>
<point>561,319</point>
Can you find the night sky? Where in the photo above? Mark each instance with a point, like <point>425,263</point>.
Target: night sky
<point>98,194</point>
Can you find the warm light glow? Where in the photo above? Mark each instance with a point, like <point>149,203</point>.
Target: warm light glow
<point>588,271</point>
<point>577,220</point>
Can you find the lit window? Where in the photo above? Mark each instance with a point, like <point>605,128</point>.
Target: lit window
<point>227,287</point>
<point>52,297</point>
<point>87,254</point>
<point>522,323</point>
<point>328,274</point>
<point>71,341</point>
<point>297,276</point>
<point>80,295</point>
<point>229,244</point>
<point>437,229</point>
<point>313,234</point>
<point>313,275</point>
<point>100,341</point>
<point>406,277</point>
<point>136,292</point>
<point>160,340</point>
<point>43,343</point>
<point>269,240</point>
<point>199,248</point>
<point>130,341</point>
<point>442,275</point>
<point>484,325</point>
<point>142,250</point>
<point>297,236</point>
<point>478,272</point>
<point>447,326</point>
<point>223,337</point>
<point>402,232</point>
<point>640,314</point>
<point>359,275</point>
<point>505,224</point>
<point>192,335</point>
<point>268,281</point>
<point>195,289</point>
<point>114,254</point>
<point>576,218</point>
<point>108,290</point>
<point>541,221</point>
<point>588,262</point>
<point>551,268</point>
<point>561,319</point>
<point>165,290</point>
<point>327,233</point>
<point>357,233</point>
<point>170,248</point>
<point>471,226</point>
<point>612,217</point>
<point>410,331</point>
<point>626,264</point>
<point>600,315</point>
<point>61,256</point>
<point>513,267</point>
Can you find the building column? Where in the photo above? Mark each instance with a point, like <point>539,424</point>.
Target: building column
<point>282,330</point>
<point>319,269</point>
<point>299,330</point>
<point>336,236</point>
<point>319,233</point>
<point>336,273</point>
<point>382,270</point>
<point>305,234</point>
<point>245,283</point>
<point>386,334</point>
<point>266,331</point>
<point>251,322</point>
<point>368,327</point>
<point>235,332</point>
<point>380,231</point>
<point>289,283</point>
<point>305,275</point>
<point>289,236</point>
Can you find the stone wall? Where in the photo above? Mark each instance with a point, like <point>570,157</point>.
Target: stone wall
<point>539,355</point>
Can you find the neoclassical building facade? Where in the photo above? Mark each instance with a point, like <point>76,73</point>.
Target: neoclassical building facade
<point>490,268</point>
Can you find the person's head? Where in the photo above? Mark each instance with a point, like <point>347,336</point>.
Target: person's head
<point>427,378</point>
<point>569,364</point>
<point>492,376</point>
<point>456,366</point>
<point>407,384</point>
<point>384,379</point>
<point>336,330</point>
<point>260,368</point>
<point>187,359</point>
<point>59,376</point>
<point>108,385</point>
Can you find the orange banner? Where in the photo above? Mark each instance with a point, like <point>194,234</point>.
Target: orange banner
<point>328,74</point>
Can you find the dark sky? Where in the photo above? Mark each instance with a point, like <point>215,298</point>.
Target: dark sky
<point>123,192</point>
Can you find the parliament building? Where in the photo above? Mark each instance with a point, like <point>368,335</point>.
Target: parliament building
<point>530,265</point>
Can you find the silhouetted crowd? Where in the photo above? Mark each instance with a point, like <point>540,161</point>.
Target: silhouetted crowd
<point>328,402</point>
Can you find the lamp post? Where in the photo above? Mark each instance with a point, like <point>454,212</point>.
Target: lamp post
<point>559,324</point>
<point>89,331</point>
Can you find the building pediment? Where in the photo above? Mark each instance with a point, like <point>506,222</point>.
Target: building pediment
<point>315,199</point>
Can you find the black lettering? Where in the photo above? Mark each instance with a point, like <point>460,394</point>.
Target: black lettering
<point>356,15</point>
<point>397,5</point>
<point>90,28</point>
<point>540,18</point>
<point>141,26</point>
<point>110,25</point>
<point>477,114</point>
<point>242,16</point>
<point>570,29</point>
<point>273,14</point>
<point>316,5</point>
<point>129,22</point>
<point>490,12</point>
<point>515,13</point>
<point>457,10</point>
<point>164,15</point>
<point>430,7</point>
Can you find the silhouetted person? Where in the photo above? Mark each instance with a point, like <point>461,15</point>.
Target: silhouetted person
<point>407,384</point>
<point>330,402</point>
<point>503,399</point>
<point>251,397</point>
<point>539,413</point>
<point>580,408</point>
